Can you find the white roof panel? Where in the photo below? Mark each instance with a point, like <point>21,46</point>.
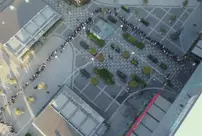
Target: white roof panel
<point>150,122</point>
<point>191,125</point>
<point>48,12</point>
<point>60,101</point>
<point>156,112</point>
<point>78,118</point>
<point>31,28</point>
<point>68,110</point>
<point>197,51</point>
<point>163,103</point>
<point>142,131</point>
<point>88,126</point>
<point>23,36</point>
<point>39,19</point>
<point>14,44</point>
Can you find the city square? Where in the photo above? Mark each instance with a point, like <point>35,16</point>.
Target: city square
<point>116,76</point>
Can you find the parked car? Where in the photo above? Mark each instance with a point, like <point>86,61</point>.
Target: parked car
<point>145,22</point>
<point>112,19</point>
<point>84,45</point>
<point>152,58</point>
<point>85,73</point>
<point>122,76</point>
<point>125,8</point>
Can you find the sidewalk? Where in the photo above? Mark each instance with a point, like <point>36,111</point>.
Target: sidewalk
<point>166,3</point>
<point>56,73</point>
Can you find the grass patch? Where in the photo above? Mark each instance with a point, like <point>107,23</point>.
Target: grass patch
<point>105,75</point>
<point>133,41</point>
<point>97,41</point>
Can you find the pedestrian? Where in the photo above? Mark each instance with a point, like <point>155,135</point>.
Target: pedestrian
<point>35,87</point>
<point>47,92</point>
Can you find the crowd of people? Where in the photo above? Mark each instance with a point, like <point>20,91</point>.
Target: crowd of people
<point>41,68</point>
<point>137,30</point>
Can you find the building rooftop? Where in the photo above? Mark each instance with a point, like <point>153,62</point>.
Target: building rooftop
<point>22,22</point>
<point>16,16</point>
<point>191,125</point>
<point>78,113</point>
<point>191,28</point>
<point>50,123</point>
<point>102,29</point>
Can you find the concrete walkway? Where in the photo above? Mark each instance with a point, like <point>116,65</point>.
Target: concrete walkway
<point>166,3</point>
<point>57,71</point>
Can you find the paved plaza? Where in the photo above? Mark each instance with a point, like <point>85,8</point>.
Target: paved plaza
<point>113,102</point>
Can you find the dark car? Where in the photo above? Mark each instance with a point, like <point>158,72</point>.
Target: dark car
<point>85,73</point>
<point>122,76</point>
<point>84,45</point>
<point>145,22</point>
<point>152,58</point>
<point>112,19</point>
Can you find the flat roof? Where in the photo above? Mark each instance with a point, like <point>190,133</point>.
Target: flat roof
<point>16,16</point>
<point>78,113</point>
<point>191,126</point>
<point>102,29</point>
<point>50,123</point>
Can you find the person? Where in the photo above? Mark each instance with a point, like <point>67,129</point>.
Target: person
<point>35,87</point>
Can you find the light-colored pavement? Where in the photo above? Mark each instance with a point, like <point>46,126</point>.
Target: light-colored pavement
<point>56,72</point>
<point>166,3</point>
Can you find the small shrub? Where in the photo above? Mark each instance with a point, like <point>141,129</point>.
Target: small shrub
<point>97,41</point>
<point>185,3</point>
<point>133,41</point>
<point>145,2</point>
<point>136,11</point>
<point>94,81</point>
<point>133,83</point>
<point>147,70</point>
<point>134,62</point>
<point>100,57</point>
<point>173,17</point>
<point>28,134</point>
<point>163,66</point>
<point>126,54</point>
<point>163,30</point>
<point>93,51</point>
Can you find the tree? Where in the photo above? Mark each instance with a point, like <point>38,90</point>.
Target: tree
<point>93,51</point>
<point>163,30</point>
<point>147,70</point>
<point>94,81</point>
<point>41,86</point>
<point>30,99</point>
<point>136,11</point>
<point>28,134</point>
<point>134,62</point>
<point>185,3</point>
<point>172,18</point>
<point>105,75</point>
<point>126,54</point>
<point>100,57</point>
<point>19,111</point>
<point>145,2</point>
<point>12,81</point>
<point>133,83</point>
